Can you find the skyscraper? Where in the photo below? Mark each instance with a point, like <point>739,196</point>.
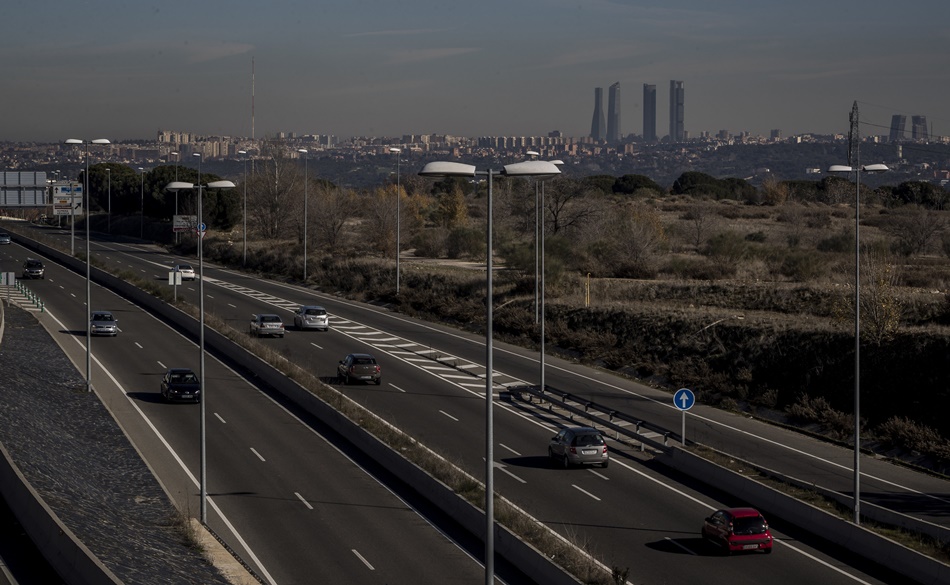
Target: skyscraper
<point>898,122</point>
<point>918,129</point>
<point>613,114</point>
<point>649,112</point>
<point>598,128</point>
<point>677,99</point>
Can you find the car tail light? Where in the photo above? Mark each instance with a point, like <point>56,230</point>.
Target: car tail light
<point>605,450</point>
<point>574,450</point>
<point>378,369</point>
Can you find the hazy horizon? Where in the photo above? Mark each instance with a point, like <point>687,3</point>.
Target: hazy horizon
<point>106,68</point>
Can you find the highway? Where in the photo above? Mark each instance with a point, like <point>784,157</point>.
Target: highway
<point>284,495</point>
<point>633,515</point>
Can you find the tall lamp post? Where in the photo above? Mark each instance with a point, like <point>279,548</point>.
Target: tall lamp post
<point>396,151</point>
<point>85,146</point>
<point>306,185</point>
<point>243,153</point>
<point>109,176</point>
<point>142,203</point>
<point>877,168</point>
<point>553,162</point>
<point>523,169</point>
<point>537,220</point>
<point>177,186</point>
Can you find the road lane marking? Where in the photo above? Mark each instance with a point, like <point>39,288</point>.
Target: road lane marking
<point>254,451</point>
<point>585,492</point>
<point>160,364</point>
<point>449,415</point>
<point>315,345</point>
<point>501,468</point>
<point>687,549</point>
<point>305,502</point>
<point>365,562</point>
<point>598,474</point>
<point>398,388</point>
<point>220,419</point>
<point>509,448</point>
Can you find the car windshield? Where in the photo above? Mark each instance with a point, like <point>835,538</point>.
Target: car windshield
<point>33,263</point>
<point>189,379</point>
<point>749,525</point>
<point>102,317</point>
<point>588,440</point>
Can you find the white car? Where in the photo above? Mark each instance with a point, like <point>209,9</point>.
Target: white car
<point>311,317</point>
<point>187,272</point>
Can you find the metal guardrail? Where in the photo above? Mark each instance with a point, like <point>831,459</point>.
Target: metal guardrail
<point>600,415</point>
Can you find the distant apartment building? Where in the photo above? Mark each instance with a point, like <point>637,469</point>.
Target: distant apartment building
<point>918,130</point>
<point>598,124</point>
<point>614,134</point>
<point>898,124</point>
<point>677,111</point>
<point>775,135</point>
<point>649,112</point>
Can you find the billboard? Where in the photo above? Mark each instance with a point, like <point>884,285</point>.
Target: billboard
<point>23,189</point>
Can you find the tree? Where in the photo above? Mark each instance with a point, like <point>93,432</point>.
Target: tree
<point>913,228</point>
<point>920,193</point>
<point>275,192</point>
<point>632,184</point>
<point>568,205</point>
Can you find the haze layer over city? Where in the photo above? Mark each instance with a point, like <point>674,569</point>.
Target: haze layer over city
<point>123,71</point>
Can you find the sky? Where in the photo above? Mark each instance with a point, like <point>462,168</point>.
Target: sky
<point>124,69</point>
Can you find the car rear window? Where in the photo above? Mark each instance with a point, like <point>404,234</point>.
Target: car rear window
<point>364,361</point>
<point>749,525</point>
<point>270,318</point>
<point>588,440</point>
<point>316,311</point>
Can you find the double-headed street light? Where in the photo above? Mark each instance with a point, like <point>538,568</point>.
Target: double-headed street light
<point>441,169</point>
<point>87,206</point>
<point>396,151</point>
<point>177,160</point>
<point>541,254</point>
<point>200,229</point>
<point>306,185</point>
<point>876,168</point>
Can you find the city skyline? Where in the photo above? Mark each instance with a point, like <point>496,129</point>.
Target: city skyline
<point>104,68</point>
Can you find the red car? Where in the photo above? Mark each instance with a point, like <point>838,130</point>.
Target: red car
<point>738,529</point>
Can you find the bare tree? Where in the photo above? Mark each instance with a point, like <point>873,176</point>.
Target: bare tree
<point>275,192</point>
<point>914,228</point>
<point>334,207</point>
<point>700,220</point>
<point>567,205</point>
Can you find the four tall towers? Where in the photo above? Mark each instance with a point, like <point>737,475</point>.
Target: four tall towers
<point>607,128</point>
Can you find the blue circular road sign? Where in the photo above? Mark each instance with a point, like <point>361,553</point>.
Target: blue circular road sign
<point>684,399</point>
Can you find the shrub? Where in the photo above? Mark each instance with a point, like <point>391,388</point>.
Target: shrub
<point>465,243</point>
<point>803,266</point>
<point>758,237</point>
<point>842,242</point>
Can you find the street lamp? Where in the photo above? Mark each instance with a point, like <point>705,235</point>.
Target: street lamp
<point>306,181</point>
<point>177,186</point>
<point>876,168</point>
<point>535,168</point>
<point>541,181</point>
<point>396,151</point>
<point>142,214</point>
<point>537,211</point>
<point>85,146</point>
<point>109,175</point>
<point>244,154</point>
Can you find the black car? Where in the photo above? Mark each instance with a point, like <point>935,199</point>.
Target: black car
<point>181,384</point>
<point>34,269</point>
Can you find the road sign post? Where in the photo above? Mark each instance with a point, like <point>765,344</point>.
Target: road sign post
<point>684,399</point>
<point>174,279</point>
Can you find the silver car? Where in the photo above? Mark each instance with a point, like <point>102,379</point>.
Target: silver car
<point>578,446</point>
<point>187,272</point>
<point>5,238</point>
<point>266,324</point>
<point>311,317</point>
<point>103,323</point>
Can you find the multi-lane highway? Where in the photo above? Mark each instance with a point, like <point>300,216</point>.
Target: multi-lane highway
<point>632,515</point>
